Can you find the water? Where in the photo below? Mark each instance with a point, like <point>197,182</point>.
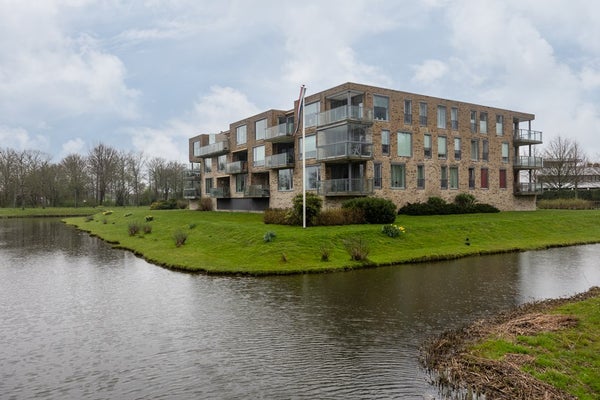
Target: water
<point>83,321</point>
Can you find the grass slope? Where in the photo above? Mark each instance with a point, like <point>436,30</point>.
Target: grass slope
<point>233,242</point>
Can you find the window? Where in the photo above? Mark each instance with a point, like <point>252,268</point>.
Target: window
<point>442,147</point>
<point>483,122</point>
<point>240,182</point>
<point>471,178</point>
<point>427,146</point>
<point>499,125</point>
<point>505,152</point>
<point>404,144</point>
<point>221,162</point>
<point>311,114</point>
<point>443,177</point>
<point>502,179</point>
<point>484,178</point>
<point>310,147</point>
<point>196,149</point>
<point>453,177</point>
<point>240,133</point>
<point>377,175</point>
<point>207,165</point>
<point>259,156</point>
<point>485,151</point>
<point>441,117</point>
<point>398,176</point>
<point>457,151</point>
<point>260,127</point>
<point>313,176</point>
<point>420,177</point>
<point>284,179</point>
<point>408,112</point>
<point>208,185</point>
<point>474,121</point>
<point>454,118</point>
<point>380,107</point>
<point>475,150</point>
<point>385,143</point>
<point>423,114</point>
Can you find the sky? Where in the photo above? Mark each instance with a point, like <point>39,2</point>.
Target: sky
<point>145,76</point>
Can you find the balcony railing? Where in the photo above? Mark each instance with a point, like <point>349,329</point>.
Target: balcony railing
<point>191,175</point>
<point>528,162</point>
<point>236,167</point>
<point>214,149</point>
<point>346,187</point>
<point>344,113</point>
<point>528,189</point>
<point>345,150</point>
<point>527,136</point>
<point>257,191</point>
<point>281,160</point>
<point>191,193</point>
<point>220,192</point>
<point>280,133</point>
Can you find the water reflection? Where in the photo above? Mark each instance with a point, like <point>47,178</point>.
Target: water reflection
<point>81,320</point>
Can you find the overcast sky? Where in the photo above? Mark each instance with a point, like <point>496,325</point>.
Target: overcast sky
<point>147,75</point>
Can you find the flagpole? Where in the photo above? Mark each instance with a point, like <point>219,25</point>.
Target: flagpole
<point>303,164</point>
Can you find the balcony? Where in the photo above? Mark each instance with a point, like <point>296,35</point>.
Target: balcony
<point>526,136</point>
<point>215,149</point>
<point>344,113</point>
<point>528,189</point>
<point>220,192</point>
<point>346,187</point>
<point>528,162</point>
<point>236,167</point>
<point>282,133</point>
<point>344,151</point>
<point>257,191</point>
<point>191,175</point>
<point>282,160</point>
<point>191,193</point>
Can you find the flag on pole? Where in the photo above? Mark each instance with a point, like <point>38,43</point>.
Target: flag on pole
<point>300,108</point>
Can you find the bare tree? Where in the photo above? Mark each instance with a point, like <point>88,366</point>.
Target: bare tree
<point>102,161</point>
<point>7,176</point>
<point>74,173</point>
<point>135,164</point>
<point>564,163</point>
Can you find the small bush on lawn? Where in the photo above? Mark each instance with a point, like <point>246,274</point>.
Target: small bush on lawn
<point>464,203</point>
<point>206,204</point>
<point>179,237</point>
<point>376,210</point>
<point>313,208</point>
<point>340,216</point>
<point>164,205</point>
<point>276,216</point>
<point>147,228</point>
<point>325,252</point>
<point>149,218</point>
<point>566,204</point>
<point>392,230</point>
<point>269,236</point>
<point>357,248</point>
<point>133,228</point>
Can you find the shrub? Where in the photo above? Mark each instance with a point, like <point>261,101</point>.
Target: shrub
<point>463,204</point>
<point>566,204</point>
<point>179,237</point>
<point>133,228</point>
<point>276,216</point>
<point>375,209</point>
<point>164,205</point>
<point>357,248</point>
<point>325,253</point>
<point>107,212</point>
<point>484,208</point>
<point>340,216</point>
<point>127,214</point>
<point>313,208</point>
<point>147,228</point>
<point>149,218</point>
<point>392,230</point>
<point>269,236</point>
<point>206,204</point>
<point>465,200</point>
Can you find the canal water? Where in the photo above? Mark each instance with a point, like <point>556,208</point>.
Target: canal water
<point>80,320</point>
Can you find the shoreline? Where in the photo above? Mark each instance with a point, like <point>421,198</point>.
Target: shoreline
<point>457,372</point>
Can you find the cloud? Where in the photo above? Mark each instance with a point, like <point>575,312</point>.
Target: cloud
<point>430,71</point>
<point>73,146</point>
<point>20,139</point>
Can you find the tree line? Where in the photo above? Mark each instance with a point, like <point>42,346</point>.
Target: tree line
<point>105,176</point>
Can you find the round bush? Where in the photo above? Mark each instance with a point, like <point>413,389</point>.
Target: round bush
<point>375,209</point>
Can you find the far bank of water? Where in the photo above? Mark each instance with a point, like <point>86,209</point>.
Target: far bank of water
<point>84,321</point>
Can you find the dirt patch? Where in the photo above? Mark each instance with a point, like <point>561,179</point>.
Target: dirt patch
<point>468,376</point>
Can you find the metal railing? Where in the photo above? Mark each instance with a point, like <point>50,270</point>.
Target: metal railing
<point>213,149</point>
<point>350,149</point>
<point>257,191</point>
<point>529,162</point>
<point>528,188</point>
<point>278,132</point>
<point>236,167</point>
<point>220,192</point>
<point>345,187</point>
<point>343,113</point>
<point>528,136</point>
<point>279,160</point>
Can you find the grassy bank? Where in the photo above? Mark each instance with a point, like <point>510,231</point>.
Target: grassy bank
<point>233,242</point>
<point>46,212</point>
<point>546,350</point>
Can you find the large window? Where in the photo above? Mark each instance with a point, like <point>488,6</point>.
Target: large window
<point>453,177</point>
<point>420,177</point>
<point>398,176</point>
<point>310,147</point>
<point>208,185</point>
<point>260,128</point>
<point>427,145</point>
<point>457,150</point>
<point>441,117</point>
<point>484,178</point>
<point>442,145</point>
<point>471,178</point>
<point>259,156</point>
<point>423,114</point>
<point>381,107</point>
<point>408,112</point>
<point>377,175</point>
<point>404,144</point>
<point>483,122</point>
<point>221,162</point>
<point>499,125</point>
<point>454,118</point>
<point>385,143</point>
<point>311,114</point>
<point>196,149</point>
<point>207,165</point>
<point>285,179</point>
<point>475,150</point>
<point>474,121</point>
<point>312,177</point>
<point>443,177</point>
<point>505,157</point>
<point>240,182</point>
<point>485,151</point>
<point>240,134</point>
<point>502,179</point>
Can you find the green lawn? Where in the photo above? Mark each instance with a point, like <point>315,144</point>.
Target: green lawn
<point>233,242</point>
<point>46,212</point>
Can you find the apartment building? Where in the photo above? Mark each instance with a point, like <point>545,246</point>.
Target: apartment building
<point>363,140</point>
